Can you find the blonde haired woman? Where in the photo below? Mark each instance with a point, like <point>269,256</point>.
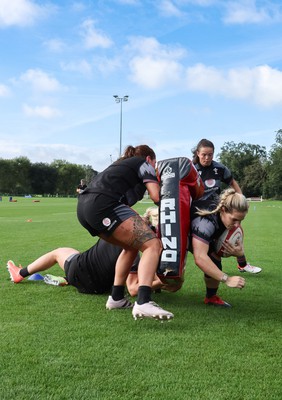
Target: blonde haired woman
<point>208,221</point>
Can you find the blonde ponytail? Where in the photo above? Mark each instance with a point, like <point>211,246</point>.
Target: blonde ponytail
<point>230,200</point>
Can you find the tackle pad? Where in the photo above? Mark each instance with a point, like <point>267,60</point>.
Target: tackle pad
<point>180,184</point>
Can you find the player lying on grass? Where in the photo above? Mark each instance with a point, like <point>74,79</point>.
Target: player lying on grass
<point>208,221</point>
<point>90,272</point>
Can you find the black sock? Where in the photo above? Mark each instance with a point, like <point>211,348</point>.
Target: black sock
<point>118,292</point>
<point>211,292</point>
<point>242,262</point>
<point>144,295</point>
<point>24,272</point>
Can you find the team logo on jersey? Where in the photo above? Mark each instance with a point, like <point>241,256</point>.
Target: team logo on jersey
<point>167,173</point>
<point>106,222</point>
<point>210,183</point>
<point>215,171</point>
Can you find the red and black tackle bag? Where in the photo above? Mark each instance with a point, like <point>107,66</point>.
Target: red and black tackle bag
<point>180,184</point>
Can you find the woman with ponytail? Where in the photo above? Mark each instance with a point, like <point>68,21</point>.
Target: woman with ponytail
<point>104,209</point>
<point>209,219</point>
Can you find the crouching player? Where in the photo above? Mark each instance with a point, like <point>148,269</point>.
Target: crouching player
<point>208,221</point>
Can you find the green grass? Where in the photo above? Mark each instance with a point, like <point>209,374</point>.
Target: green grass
<point>59,344</point>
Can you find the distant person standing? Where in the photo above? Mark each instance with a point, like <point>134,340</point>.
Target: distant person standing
<point>81,186</point>
<point>213,173</point>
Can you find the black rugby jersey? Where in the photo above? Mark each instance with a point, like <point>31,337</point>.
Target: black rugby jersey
<point>95,268</point>
<point>212,177</point>
<point>124,180</point>
<point>205,228</point>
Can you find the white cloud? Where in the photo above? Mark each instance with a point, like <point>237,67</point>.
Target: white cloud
<point>108,65</point>
<point>4,91</point>
<point>78,6</point>
<point>249,12</point>
<point>152,73</point>
<point>81,66</point>
<point>129,2</point>
<point>55,45</point>
<point>201,3</point>
<point>154,65</point>
<point>151,46</point>
<point>93,37</point>
<point>45,112</point>
<point>20,12</point>
<point>47,153</point>
<point>168,9</point>
<point>41,81</point>
<point>262,85</point>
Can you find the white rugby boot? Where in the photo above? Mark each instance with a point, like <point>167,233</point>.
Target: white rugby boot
<point>151,310</point>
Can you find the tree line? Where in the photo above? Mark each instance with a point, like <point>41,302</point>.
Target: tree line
<point>19,176</point>
<point>258,173</point>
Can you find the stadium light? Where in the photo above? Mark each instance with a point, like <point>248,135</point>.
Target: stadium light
<point>120,100</point>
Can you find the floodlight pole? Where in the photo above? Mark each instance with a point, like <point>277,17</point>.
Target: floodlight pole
<point>120,100</point>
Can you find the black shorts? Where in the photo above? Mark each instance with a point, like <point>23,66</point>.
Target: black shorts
<point>78,276</point>
<point>99,213</point>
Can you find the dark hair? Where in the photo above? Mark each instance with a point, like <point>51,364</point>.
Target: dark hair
<point>139,151</point>
<point>230,200</point>
<point>202,143</point>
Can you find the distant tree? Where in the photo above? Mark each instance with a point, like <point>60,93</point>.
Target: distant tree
<point>6,176</point>
<point>19,176</point>
<point>69,176</point>
<point>273,185</point>
<point>89,173</point>
<point>43,179</point>
<point>253,179</point>
<point>21,183</point>
<point>246,161</point>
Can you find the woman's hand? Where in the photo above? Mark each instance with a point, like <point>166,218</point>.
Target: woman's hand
<point>235,282</point>
<point>171,285</point>
<point>235,250</point>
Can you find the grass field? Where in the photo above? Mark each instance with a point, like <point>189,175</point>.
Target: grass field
<point>58,344</point>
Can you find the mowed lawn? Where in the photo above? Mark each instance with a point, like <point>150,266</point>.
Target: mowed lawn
<point>59,344</point>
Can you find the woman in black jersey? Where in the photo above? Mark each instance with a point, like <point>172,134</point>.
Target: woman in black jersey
<point>209,219</point>
<point>104,209</point>
<point>213,173</point>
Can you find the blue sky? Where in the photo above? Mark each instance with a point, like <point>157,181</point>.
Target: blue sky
<point>192,69</point>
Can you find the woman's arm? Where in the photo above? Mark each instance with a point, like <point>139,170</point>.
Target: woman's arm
<point>234,184</point>
<point>133,284</point>
<point>154,191</point>
<point>204,262</point>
